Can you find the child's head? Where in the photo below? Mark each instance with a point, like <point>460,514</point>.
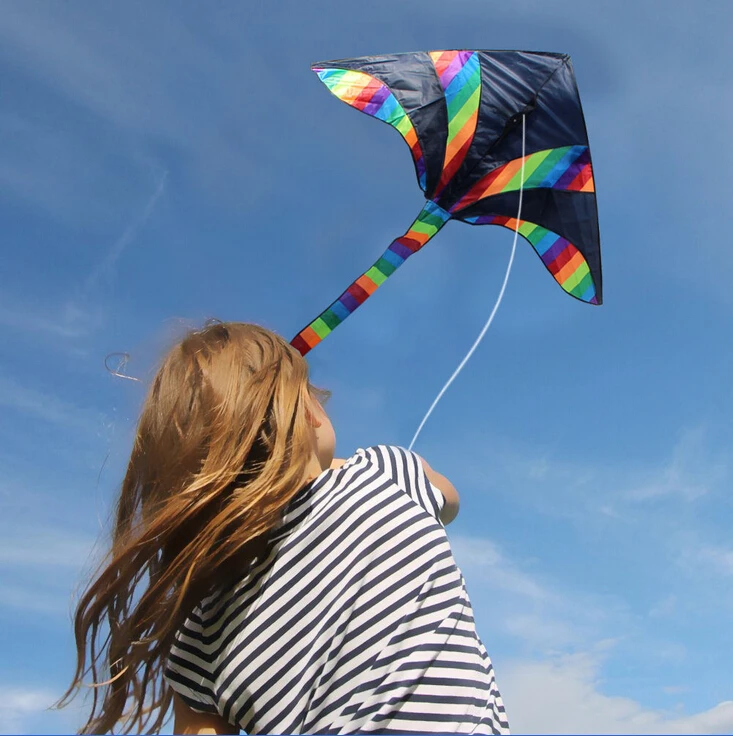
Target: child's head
<point>230,398</point>
<point>230,431</point>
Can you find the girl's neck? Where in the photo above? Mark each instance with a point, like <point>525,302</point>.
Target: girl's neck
<point>315,467</point>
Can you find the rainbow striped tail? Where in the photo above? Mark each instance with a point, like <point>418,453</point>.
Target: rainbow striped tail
<point>431,218</point>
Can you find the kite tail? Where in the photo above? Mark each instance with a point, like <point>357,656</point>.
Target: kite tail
<point>428,222</point>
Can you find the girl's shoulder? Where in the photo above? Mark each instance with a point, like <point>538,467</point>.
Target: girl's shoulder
<point>395,466</point>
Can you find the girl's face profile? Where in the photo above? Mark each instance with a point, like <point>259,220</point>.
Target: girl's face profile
<point>324,436</point>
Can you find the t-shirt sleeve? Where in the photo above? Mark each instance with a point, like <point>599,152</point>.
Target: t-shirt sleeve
<point>188,669</point>
<point>407,471</point>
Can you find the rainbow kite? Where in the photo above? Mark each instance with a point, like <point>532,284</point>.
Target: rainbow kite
<point>461,114</point>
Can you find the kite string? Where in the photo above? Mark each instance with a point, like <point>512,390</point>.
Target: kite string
<point>496,306</point>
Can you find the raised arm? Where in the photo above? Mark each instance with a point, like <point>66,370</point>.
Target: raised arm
<point>450,494</point>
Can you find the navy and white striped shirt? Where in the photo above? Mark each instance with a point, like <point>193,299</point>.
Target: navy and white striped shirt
<point>358,621</point>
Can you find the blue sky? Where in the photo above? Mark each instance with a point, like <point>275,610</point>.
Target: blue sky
<point>167,162</point>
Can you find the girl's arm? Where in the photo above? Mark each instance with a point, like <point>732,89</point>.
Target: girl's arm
<point>187,721</point>
<point>450,494</point>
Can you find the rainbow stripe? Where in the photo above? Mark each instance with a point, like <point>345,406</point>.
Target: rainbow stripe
<point>428,222</point>
<point>460,76</point>
<point>563,260</point>
<point>373,97</point>
<point>567,168</point>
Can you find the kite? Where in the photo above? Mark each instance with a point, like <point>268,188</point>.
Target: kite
<point>460,113</point>
<point>497,138</point>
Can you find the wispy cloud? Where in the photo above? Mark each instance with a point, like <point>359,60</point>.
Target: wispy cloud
<point>137,82</point>
<point>665,608</point>
<point>44,548</point>
<point>41,567</point>
<point>538,613</point>
<point>42,599</point>
<point>692,471</point>
<point>564,695</point>
<point>486,559</point>
<point>715,560</point>
<point>84,312</point>
<point>49,408</point>
<point>559,484</point>
<point>568,635</point>
<point>18,706</point>
<point>102,272</point>
<point>28,710</point>
<point>67,322</point>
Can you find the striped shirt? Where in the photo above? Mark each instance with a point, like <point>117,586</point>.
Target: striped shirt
<point>358,620</point>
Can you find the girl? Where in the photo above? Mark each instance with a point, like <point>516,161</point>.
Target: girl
<point>256,583</point>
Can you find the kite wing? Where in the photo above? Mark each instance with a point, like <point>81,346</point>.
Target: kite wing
<point>460,113</point>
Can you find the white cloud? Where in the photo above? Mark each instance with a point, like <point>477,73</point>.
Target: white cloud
<point>665,608</point>
<point>715,559</point>
<point>28,710</point>
<point>537,612</point>
<point>136,83</point>
<point>557,484</point>
<point>49,408</point>
<point>41,568</point>
<point>39,597</point>
<point>43,548</point>
<point>67,322</point>
<point>18,705</point>
<point>563,695</point>
<point>485,558</point>
<point>690,472</point>
<point>52,168</point>
<point>103,270</point>
<point>560,689</point>
<point>82,314</point>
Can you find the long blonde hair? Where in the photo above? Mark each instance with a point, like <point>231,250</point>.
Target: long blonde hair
<point>222,445</point>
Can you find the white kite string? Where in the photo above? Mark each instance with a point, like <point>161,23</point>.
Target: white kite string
<point>496,306</point>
